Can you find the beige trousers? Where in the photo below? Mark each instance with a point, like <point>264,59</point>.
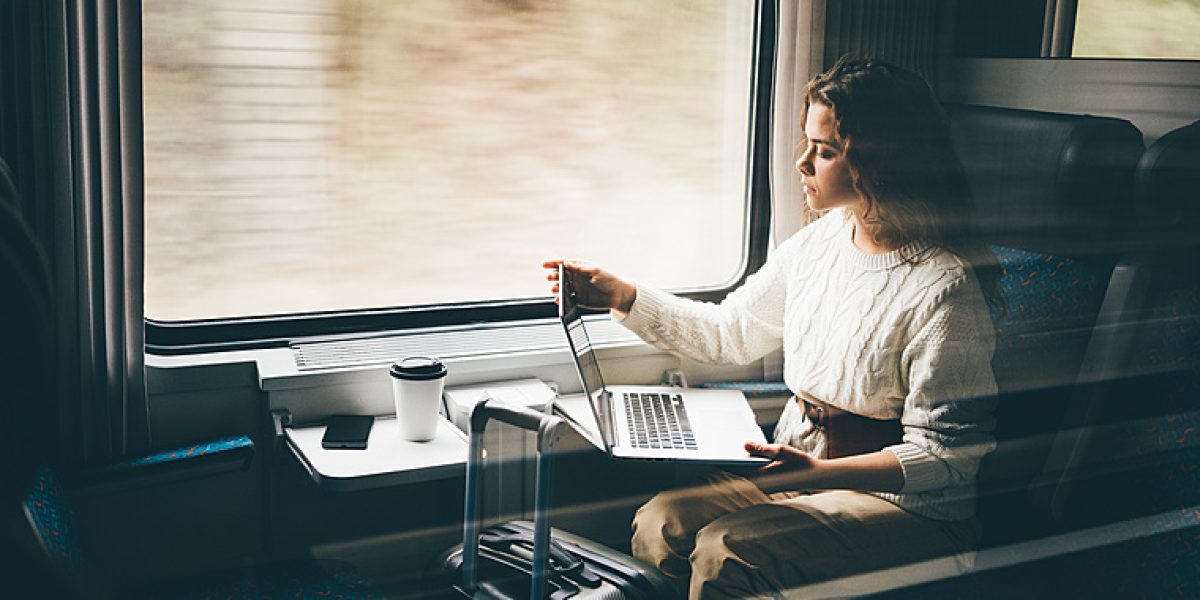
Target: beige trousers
<point>732,540</point>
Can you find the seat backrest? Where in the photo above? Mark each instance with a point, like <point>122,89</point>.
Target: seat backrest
<point>1047,189</point>
<point>1140,443</point>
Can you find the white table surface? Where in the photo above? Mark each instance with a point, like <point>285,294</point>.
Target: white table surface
<point>387,460</point>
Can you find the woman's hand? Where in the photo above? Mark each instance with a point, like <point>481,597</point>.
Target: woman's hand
<point>792,469</point>
<point>789,469</point>
<point>594,287</point>
<point>783,457</point>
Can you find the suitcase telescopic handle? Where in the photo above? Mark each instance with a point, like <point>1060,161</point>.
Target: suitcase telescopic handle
<point>525,418</point>
<point>549,429</point>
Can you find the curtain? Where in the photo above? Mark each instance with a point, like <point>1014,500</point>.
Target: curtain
<point>70,126</point>
<point>798,58</point>
<point>103,69</point>
<point>800,46</point>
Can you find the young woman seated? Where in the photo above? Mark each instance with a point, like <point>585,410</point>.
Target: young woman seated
<point>881,309</point>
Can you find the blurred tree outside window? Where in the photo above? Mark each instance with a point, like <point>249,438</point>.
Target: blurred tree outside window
<point>1137,29</point>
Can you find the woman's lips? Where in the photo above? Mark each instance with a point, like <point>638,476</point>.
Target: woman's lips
<point>809,190</point>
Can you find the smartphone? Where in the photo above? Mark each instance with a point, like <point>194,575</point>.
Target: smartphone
<point>347,432</point>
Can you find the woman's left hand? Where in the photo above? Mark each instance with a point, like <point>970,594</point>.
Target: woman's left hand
<point>793,469</point>
<point>783,457</point>
<point>789,469</point>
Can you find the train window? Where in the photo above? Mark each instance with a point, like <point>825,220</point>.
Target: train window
<point>1145,29</point>
<point>329,155</point>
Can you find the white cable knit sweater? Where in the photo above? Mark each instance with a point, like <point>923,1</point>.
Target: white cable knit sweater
<point>871,334</point>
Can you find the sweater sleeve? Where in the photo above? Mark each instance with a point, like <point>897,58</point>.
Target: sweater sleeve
<point>947,414</point>
<point>745,326</point>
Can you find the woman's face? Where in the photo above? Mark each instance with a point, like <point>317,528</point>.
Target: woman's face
<point>823,167</point>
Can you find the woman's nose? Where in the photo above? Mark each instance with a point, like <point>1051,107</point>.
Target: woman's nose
<point>804,163</point>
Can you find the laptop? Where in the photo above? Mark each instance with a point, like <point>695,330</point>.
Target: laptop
<point>659,422</point>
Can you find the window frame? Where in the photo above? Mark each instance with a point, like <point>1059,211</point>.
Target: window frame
<point>272,331</point>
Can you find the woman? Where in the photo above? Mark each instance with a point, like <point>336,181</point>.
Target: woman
<point>880,309</point>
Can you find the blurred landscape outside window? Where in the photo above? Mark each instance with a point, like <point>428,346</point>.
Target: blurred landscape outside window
<point>317,155</point>
<point>1137,29</point>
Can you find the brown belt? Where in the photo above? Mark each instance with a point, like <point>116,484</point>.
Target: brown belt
<point>846,433</point>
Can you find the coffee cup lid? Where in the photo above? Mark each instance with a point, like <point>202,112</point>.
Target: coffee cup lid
<point>418,368</point>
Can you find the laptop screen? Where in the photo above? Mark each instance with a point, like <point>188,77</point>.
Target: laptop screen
<point>585,356</point>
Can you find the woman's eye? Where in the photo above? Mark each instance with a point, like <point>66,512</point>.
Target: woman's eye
<point>825,155</point>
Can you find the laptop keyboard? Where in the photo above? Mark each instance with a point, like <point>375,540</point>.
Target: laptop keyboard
<point>658,421</point>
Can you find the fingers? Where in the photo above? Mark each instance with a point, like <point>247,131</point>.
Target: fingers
<point>780,454</point>
<point>580,266</point>
<point>582,273</point>
<point>763,450</point>
<point>571,263</point>
<point>552,266</point>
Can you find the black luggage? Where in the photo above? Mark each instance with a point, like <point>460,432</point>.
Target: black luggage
<point>522,560</point>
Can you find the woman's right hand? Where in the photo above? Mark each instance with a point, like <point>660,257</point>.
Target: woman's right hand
<point>594,287</point>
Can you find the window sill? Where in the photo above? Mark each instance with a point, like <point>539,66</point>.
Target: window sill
<point>312,394</point>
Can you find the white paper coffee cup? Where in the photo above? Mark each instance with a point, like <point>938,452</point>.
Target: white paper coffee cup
<point>417,391</point>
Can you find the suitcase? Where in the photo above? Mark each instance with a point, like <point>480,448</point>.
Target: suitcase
<point>518,559</point>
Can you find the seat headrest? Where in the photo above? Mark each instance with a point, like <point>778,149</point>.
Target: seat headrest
<point>1046,182</point>
<point>1167,192</point>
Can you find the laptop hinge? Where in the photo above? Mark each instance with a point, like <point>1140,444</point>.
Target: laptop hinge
<point>609,436</point>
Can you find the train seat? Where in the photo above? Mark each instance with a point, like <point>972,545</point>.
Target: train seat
<point>1124,470</point>
<point>1048,189</point>
<point>1137,457</point>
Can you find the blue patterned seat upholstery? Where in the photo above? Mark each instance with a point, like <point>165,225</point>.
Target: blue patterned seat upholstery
<point>1052,302</point>
<point>238,443</point>
<point>53,523</point>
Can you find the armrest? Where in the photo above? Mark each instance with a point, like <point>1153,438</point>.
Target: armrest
<point>185,462</point>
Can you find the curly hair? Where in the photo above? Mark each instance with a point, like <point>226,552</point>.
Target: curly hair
<point>902,161</point>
